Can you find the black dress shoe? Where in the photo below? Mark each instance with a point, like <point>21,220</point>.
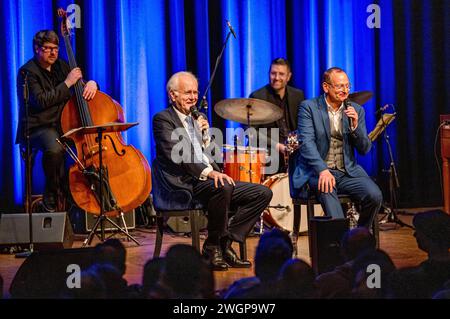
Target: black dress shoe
<point>214,254</point>
<point>232,258</point>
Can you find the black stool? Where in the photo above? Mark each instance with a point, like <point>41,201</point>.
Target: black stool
<point>36,199</point>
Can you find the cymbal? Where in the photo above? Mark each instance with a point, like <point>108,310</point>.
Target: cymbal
<point>360,97</point>
<point>259,111</point>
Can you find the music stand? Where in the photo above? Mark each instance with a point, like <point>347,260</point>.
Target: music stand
<point>394,184</point>
<point>383,122</point>
<point>99,130</point>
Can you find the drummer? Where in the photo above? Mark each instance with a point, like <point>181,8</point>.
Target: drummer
<point>288,98</point>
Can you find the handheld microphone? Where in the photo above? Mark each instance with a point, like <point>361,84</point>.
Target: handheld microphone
<point>231,29</point>
<point>196,114</point>
<point>346,105</point>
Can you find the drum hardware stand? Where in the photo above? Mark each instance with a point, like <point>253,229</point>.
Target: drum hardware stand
<point>293,235</point>
<point>352,215</point>
<point>250,171</point>
<point>261,224</point>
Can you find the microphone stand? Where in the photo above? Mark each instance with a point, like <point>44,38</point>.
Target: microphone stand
<point>27,169</point>
<point>203,102</point>
<point>391,215</point>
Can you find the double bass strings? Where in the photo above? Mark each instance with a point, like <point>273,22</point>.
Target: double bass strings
<point>84,114</point>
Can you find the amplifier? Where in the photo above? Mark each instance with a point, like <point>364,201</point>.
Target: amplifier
<point>325,236</point>
<point>50,230</point>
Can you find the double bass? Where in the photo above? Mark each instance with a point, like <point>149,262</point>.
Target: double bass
<point>125,175</point>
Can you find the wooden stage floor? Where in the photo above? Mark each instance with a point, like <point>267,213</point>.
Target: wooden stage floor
<point>398,242</point>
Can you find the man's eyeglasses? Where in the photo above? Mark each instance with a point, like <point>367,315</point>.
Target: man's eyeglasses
<point>340,87</point>
<point>49,49</point>
<point>188,93</point>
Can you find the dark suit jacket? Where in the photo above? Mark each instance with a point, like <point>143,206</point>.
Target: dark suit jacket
<point>314,136</point>
<point>177,175</point>
<point>47,96</point>
<point>295,97</point>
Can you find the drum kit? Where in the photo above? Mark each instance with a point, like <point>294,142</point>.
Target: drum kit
<point>246,164</point>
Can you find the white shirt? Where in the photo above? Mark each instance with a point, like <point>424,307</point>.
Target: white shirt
<point>335,118</point>
<point>209,168</point>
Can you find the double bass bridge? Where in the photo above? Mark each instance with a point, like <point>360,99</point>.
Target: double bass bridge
<point>92,151</point>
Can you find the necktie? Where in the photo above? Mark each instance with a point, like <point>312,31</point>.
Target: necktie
<point>198,153</point>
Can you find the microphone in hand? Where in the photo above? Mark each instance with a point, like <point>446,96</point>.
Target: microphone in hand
<point>346,105</point>
<point>196,115</point>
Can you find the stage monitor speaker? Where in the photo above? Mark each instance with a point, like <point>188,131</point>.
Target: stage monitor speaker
<point>83,222</point>
<point>50,230</point>
<point>44,274</point>
<point>182,224</point>
<point>325,236</point>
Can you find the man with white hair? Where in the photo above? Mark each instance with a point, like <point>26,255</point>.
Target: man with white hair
<point>201,176</point>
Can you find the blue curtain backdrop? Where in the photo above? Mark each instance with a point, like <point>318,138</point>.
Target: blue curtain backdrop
<point>132,47</point>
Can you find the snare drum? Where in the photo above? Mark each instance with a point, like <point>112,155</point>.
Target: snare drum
<point>280,212</point>
<point>245,164</point>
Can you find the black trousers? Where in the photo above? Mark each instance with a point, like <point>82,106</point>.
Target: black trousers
<point>53,159</point>
<point>246,201</point>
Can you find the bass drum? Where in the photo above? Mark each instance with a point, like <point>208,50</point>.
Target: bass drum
<point>280,212</point>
